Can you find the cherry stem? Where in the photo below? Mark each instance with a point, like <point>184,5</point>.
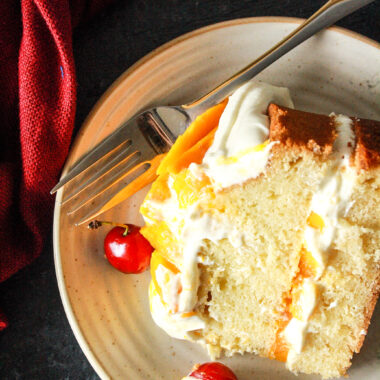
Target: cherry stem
<point>98,223</point>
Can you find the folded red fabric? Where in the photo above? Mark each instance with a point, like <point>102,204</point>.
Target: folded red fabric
<point>37,110</point>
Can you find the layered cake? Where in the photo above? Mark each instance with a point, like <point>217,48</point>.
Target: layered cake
<point>265,223</point>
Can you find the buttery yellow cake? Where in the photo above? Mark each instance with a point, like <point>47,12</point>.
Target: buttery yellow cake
<point>265,223</point>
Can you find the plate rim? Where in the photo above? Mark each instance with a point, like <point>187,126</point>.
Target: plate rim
<point>74,325</point>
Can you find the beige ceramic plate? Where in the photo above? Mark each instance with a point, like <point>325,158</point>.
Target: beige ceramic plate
<point>334,71</point>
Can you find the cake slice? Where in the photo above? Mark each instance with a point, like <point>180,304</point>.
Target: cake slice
<point>265,223</point>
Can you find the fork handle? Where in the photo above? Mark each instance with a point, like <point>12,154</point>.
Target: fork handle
<point>327,15</point>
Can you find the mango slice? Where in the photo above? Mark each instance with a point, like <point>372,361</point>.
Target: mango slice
<point>195,154</point>
<point>197,130</point>
<point>308,265</point>
<point>190,189</point>
<point>315,221</point>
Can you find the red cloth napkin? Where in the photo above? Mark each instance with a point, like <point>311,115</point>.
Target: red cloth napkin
<point>37,110</point>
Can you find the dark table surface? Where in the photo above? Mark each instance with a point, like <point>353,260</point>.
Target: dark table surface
<point>39,343</point>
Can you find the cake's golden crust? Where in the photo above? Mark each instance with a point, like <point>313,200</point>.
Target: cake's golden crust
<point>299,129</point>
<point>314,132</point>
<point>367,151</point>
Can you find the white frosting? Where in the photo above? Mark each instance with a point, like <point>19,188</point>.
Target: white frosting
<point>191,226</point>
<point>169,284</point>
<point>332,305</point>
<point>331,201</point>
<point>243,125</point>
<point>199,226</point>
<point>174,324</point>
<point>295,331</point>
<point>244,122</point>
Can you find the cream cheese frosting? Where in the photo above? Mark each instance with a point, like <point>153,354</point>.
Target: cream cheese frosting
<point>175,324</point>
<point>295,331</point>
<point>244,125</point>
<point>330,202</point>
<point>192,226</point>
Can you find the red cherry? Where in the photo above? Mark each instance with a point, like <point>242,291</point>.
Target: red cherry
<point>127,250</point>
<point>213,371</point>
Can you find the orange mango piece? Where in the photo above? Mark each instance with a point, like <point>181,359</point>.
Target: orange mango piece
<point>160,190</point>
<point>280,349</point>
<point>293,307</point>
<point>160,237</point>
<point>188,314</point>
<point>307,264</point>
<point>194,154</point>
<point>315,221</point>
<point>296,306</point>
<point>190,189</point>
<point>196,131</point>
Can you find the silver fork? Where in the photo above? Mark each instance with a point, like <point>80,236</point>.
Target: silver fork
<point>127,159</point>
